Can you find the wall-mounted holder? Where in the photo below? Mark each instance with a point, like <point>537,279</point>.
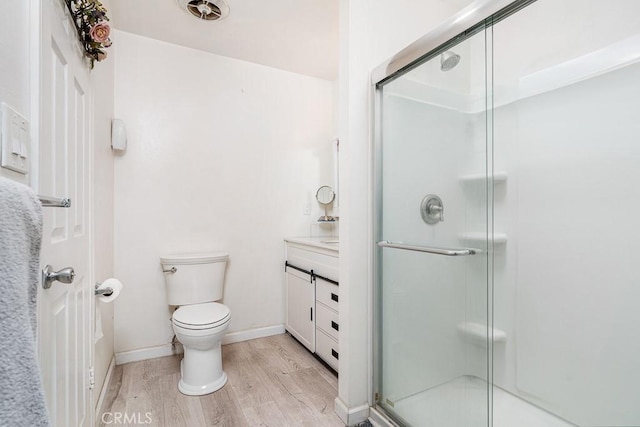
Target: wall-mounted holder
<point>107,292</point>
<point>432,209</point>
<point>118,136</point>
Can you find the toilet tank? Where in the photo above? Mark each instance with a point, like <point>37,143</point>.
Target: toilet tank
<point>194,278</point>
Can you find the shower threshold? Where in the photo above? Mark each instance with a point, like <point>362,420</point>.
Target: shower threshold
<point>441,406</point>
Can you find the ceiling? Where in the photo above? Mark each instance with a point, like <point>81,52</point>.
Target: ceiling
<point>294,35</point>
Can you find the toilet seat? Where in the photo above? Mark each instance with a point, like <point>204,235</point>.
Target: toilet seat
<point>201,316</point>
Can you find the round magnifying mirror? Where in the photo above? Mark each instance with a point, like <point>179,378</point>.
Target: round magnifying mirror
<point>325,195</point>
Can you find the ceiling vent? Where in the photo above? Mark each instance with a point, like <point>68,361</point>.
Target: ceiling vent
<point>207,10</point>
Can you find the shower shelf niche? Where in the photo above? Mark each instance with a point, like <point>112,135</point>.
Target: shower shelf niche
<point>498,178</point>
<point>477,333</point>
<point>498,238</point>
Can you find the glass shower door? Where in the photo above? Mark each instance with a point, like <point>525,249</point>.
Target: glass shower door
<point>433,210</point>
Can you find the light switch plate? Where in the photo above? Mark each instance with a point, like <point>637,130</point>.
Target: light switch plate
<point>14,138</point>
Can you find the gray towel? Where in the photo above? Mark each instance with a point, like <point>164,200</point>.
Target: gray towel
<point>21,395</point>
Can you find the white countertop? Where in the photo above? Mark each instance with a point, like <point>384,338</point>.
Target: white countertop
<point>318,242</point>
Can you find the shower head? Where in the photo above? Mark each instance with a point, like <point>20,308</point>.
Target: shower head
<point>448,60</point>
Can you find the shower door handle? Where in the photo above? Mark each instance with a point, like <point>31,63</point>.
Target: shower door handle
<point>428,249</point>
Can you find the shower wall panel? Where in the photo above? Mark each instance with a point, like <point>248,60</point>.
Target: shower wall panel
<point>566,132</point>
<point>572,250</point>
<point>423,142</point>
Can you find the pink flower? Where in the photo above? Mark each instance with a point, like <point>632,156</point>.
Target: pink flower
<point>100,32</point>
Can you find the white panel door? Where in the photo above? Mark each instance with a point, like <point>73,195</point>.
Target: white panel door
<point>65,310</point>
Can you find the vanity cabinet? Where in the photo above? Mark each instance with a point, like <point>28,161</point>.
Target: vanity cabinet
<point>313,296</point>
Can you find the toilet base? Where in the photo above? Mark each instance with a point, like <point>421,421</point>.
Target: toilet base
<point>201,390</point>
<point>201,371</point>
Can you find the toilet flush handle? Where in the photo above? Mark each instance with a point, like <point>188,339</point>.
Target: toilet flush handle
<point>171,270</point>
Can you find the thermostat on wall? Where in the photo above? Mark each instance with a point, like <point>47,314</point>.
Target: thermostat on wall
<point>14,138</point>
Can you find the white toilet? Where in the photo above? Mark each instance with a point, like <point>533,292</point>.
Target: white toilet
<point>194,282</point>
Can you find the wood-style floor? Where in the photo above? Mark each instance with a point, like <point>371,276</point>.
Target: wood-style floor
<point>272,381</point>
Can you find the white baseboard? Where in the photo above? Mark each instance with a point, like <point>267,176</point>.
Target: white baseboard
<point>105,388</point>
<point>147,353</point>
<point>251,334</point>
<point>351,416</point>
<point>167,350</point>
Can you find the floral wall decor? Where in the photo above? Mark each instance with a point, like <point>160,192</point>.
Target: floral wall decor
<point>91,21</point>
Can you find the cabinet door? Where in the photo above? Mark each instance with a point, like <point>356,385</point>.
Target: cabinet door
<point>300,320</point>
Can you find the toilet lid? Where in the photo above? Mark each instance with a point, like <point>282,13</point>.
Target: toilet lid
<point>202,316</point>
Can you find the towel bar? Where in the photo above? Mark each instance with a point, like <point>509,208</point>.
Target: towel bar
<point>53,202</point>
<point>427,249</point>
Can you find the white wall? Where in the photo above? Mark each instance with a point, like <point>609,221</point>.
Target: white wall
<point>369,37</point>
<point>222,156</point>
<point>15,65</point>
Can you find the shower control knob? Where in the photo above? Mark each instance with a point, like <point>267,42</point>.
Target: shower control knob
<point>436,211</point>
<point>66,275</point>
<point>432,209</point>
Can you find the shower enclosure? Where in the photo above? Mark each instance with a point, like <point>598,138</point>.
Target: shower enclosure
<point>507,193</point>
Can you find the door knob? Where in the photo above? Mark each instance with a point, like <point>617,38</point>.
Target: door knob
<point>66,275</point>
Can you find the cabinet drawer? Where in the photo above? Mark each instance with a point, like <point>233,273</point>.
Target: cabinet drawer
<point>327,349</point>
<point>327,293</point>
<point>321,263</point>
<point>327,320</point>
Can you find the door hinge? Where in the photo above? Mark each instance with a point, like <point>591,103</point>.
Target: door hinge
<point>376,397</point>
<point>92,378</point>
